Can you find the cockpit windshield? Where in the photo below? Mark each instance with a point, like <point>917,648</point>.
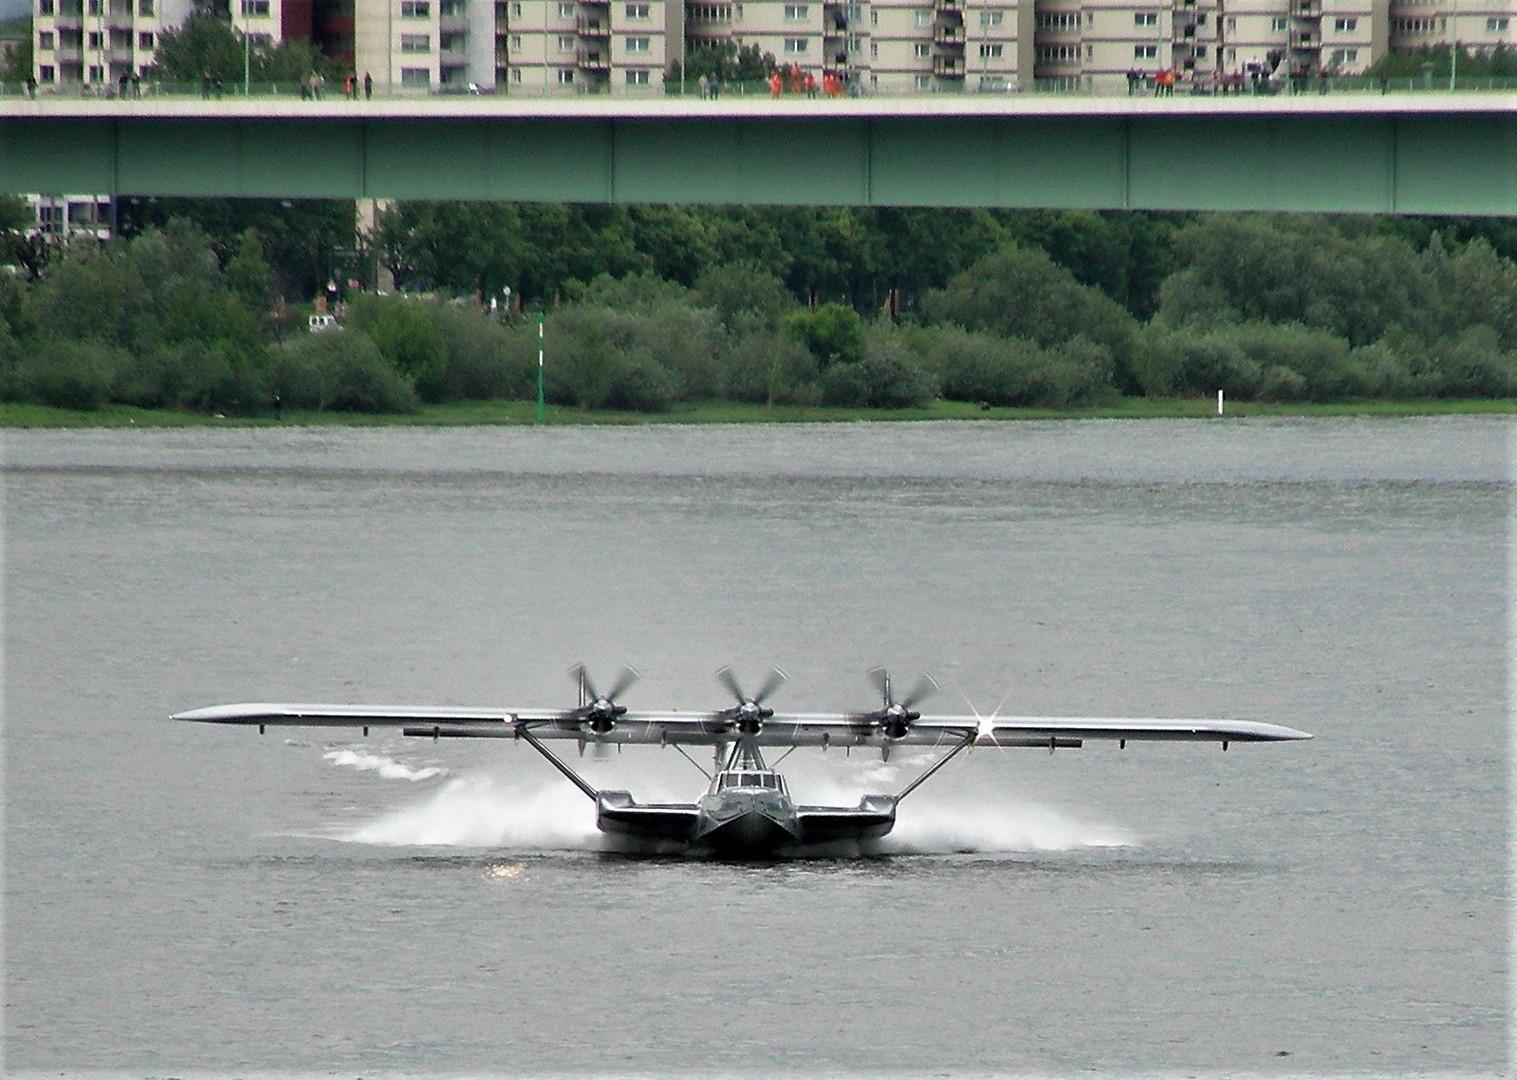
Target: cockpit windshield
<point>748,779</point>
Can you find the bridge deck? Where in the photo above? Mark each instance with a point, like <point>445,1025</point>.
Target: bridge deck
<point>1395,153</point>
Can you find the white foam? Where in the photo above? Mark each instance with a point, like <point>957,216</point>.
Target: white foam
<point>389,768</point>
<point>479,810</point>
<point>924,828</point>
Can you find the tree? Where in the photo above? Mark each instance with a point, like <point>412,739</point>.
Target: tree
<point>18,66</point>
<point>1019,292</point>
<point>1276,268</point>
<point>723,60</point>
<point>204,47</point>
<point>832,332</point>
<point>298,236</point>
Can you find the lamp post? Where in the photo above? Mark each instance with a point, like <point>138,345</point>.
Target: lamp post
<point>1454,45</point>
<point>247,53</point>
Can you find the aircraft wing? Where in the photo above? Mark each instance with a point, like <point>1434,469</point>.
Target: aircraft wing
<point>313,715</point>
<point>706,729</point>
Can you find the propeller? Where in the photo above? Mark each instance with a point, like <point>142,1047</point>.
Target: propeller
<point>596,712</point>
<point>749,714</point>
<point>894,718</point>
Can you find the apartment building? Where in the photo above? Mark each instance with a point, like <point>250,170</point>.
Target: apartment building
<point>884,46</point>
<point>425,45</point>
<point>100,41</point>
<point>594,46</point>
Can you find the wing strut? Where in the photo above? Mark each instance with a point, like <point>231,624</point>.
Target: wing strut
<point>968,740</point>
<point>574,778</point>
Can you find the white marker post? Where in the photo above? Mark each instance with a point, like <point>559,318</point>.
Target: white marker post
<point>540,367</point>
<point>1219,402</point>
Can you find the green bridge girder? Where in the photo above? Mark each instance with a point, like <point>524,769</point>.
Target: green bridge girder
<point>1400,153</point>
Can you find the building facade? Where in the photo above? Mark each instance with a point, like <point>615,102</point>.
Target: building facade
<point>882,46</point>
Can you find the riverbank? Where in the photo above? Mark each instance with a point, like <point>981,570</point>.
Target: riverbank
<point>484,413</point>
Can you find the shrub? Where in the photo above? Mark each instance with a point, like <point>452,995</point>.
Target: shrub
<point>344,371</point>
<point>65,373</point>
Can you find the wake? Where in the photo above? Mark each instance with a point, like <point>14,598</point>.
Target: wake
<point>482,810</point>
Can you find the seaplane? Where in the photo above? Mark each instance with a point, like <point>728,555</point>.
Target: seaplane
<point>747,810</point>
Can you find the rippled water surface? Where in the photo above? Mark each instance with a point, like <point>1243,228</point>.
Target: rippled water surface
<point>181,899</point>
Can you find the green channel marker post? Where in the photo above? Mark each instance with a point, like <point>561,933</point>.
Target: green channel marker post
<point>540,411</point>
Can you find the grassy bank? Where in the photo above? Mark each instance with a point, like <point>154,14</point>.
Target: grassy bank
<point>523,412</point>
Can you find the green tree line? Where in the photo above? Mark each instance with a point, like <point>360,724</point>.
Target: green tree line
<point>649,307</point>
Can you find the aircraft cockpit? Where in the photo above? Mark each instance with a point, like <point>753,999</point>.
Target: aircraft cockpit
<point>750,778</point>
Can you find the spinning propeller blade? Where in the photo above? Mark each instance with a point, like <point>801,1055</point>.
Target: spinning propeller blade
<point>894,718</point>
<point>749,713</point>
<point>595,712</point>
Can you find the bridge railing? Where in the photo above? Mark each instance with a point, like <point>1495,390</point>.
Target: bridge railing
<point>1077,86</point>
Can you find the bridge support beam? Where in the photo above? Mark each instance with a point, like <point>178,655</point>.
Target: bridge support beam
<point>1350,160</point>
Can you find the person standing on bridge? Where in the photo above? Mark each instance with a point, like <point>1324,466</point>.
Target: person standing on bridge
<point>368,86</point>
<point>776,84</point>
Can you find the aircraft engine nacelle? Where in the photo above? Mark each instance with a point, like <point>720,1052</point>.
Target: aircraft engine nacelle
<point>897,724</point>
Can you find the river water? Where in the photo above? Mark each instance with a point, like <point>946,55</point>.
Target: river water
<point>184,900</point>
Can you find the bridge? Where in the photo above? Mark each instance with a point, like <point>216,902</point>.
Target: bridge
<point>1397,153</point>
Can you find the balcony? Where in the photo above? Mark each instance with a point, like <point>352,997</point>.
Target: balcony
<point>948,5</point>
<point>593,60</point>
<point>949,35</point>
<point>593,26</point>
<point>948,67</point>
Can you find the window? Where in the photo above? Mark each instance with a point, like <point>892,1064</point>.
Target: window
<point>1059,20</point>
<point>451,9</point>
<point>415,9</point>
<point>145,7</point>
<point>566,11</point>
<point>415,43</point>
<point>796,46</point>
<point>1058,54</point>
<point>95,39</point>
<point>45,73</point>
<point>1277,24</point>
<point>1145,52</point>
<point>97,73</point>
<point>1496,25</point>
<point>1343,25</point>
<point>516,43</point>
<point>638,44</point>
<point>1232,22</point>
<point>145,41</point>
<point>639,11</point>
<point>1420,25</point>
<point>922,82</point>
<point>257,8</point>
<point>991,51</point>
<point>710,12</point>
<point>415,77</point>
<point>565,78</point>
<point>924,18</point>
<point>923,50</point>
<point>97,7</point>
<point>796,12</point>
<point>1345,56</point>
<point>566,43</point>
<point>1200,52</point>
<point>44,7</point>
<point>993,18</point>
<point>516,9</point>
<point>637,78</point>
<point>516,75</point>
<point>44,41</point>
